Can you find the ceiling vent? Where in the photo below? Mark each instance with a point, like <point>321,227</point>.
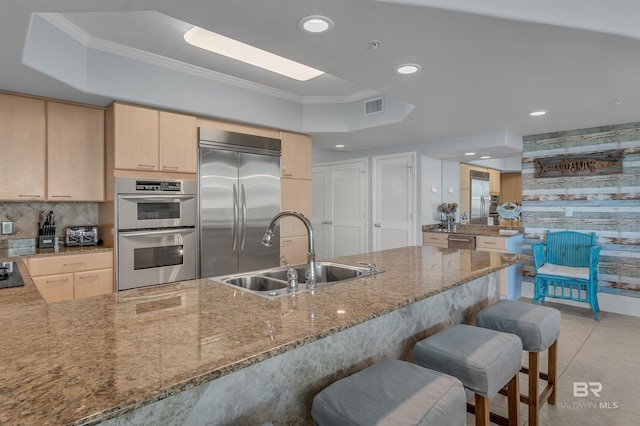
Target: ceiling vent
<point>374,106</point>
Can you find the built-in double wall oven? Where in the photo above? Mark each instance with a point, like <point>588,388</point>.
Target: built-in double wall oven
<point>157,236</point>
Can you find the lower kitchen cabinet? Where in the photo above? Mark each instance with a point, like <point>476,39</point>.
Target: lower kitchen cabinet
<point>435,239</point>
<point>511,277</point>
<point>294,249</point>
<point>72,276</point>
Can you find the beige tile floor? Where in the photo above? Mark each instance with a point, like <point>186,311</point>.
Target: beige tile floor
<point>588,351</point>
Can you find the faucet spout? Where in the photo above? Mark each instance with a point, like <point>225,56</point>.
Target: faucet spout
<point>267,240</point>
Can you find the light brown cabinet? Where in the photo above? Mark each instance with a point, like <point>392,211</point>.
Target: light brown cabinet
<point>295,162</point>
<point>150,140</point>
<point>435,239</point>
<point>178,145</point>
<point>511,187</point>
<point>494,181</point>
<point>75,153</point>
<point>294,249</point>
<point>296,194</point>
<point>72,276</point>
<point>23,147</point>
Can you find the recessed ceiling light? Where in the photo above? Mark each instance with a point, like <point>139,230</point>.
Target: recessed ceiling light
<point>405,69</point>
<point>539,113</point>
<point>484,157</point>
<point>339,146</point>
<point>239,51</point>
<point>469,153</point>
<point>315,24</point>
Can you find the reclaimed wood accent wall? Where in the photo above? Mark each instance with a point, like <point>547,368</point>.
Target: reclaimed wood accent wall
<point>607,204</point>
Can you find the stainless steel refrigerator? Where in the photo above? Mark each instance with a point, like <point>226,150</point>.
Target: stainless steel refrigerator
<point>239,193</point>
<point>480,197</point>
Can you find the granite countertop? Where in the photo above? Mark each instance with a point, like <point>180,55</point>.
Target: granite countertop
<point>91,359</point>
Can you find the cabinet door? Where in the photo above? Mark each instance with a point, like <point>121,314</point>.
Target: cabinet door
<point>178,145</point>
<point>294,249</point>
<point>75,153</point>
<point>295,195</point>
<point>494,181</point>
<point>296,156</point>
<point>92,283</point>
<point>55,288</point>
<point>435,239</point>
<point>136,137</point>
<point>23,148</point>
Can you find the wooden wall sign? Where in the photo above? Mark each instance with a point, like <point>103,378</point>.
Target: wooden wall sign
<point>602,163</point>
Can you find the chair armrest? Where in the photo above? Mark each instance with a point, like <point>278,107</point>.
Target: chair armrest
<point>538,254</point>
<point>594,258</point>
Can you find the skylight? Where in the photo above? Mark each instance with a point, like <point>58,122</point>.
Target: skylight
<point>239,51</point>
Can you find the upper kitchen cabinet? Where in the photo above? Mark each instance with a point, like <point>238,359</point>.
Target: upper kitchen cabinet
<point>75,153</point>
<point>23,147</point>
<point>135,133</point>
<point>151,140</point>
<point>494,181</point>
<point>511,187</point>
<point>178,143</point>
<point>296,156</point>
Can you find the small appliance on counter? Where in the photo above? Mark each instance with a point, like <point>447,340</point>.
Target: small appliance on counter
<point>46,230</point>
<point>81,236</point>
<point>9,275</point>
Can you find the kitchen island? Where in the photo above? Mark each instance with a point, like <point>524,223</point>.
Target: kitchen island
<point>199,352</point>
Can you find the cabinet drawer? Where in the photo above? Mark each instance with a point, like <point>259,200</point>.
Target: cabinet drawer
<point>51,265</point>
<point>55,288</point>
<point>435,239</point>
<point>491,243</point>
<point>92,283</point>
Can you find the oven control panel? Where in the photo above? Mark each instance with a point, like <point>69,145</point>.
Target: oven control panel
<point>154,185</point>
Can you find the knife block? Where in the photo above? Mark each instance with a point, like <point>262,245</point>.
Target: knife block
<point>47,241</point>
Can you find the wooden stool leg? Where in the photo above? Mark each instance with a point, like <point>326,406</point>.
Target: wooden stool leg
<point>534,374</point>
<point>552,371</point>
<point>482,411</point>
<point>513,400</point>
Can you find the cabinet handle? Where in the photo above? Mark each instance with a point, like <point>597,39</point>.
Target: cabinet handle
<point>57,281</point>
<point>170,167</point>
<point>61,196</point>
<point>74,263</point>
<point>89,276</point>
<point>147,166</point>
<point>28,196</point>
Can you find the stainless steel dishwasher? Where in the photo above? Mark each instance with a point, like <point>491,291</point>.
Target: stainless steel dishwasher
<point>457,241</point>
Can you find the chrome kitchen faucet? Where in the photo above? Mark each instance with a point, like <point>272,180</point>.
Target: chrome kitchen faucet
<point>267,240</point>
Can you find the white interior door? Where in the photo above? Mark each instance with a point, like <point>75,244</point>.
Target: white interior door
<point>339,209</point>
<point>393,201</point>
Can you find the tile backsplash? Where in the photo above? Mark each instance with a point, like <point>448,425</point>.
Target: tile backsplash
<point>25,217</point>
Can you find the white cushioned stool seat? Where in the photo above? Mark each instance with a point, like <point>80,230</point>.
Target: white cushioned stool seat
<point>484,360</point>
<point>564,271</point>
<point>537,326</point>
<point>392,393</point>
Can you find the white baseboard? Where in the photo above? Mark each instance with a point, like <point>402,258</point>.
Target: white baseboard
<point>608,302</point>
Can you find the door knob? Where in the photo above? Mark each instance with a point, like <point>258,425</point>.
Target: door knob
<point>377,225</point>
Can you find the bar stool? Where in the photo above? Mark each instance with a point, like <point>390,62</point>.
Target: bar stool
<point>391,393</point>
<point>484,360</point>
<point>538,327</point>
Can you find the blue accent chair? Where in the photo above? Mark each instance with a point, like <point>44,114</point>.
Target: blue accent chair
<point>566,267</point>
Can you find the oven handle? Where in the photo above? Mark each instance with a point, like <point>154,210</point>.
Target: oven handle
<point>235,217</point>
<point>156,197</point>
<point>158,232</point>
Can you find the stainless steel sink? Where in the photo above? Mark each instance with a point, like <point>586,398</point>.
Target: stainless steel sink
<point>273,282</point>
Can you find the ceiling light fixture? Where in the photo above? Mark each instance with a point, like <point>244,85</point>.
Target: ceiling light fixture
<point>469,153</point>
<point>315,24</point>
<point>406,69</point>
<point>485,157</point>
<point>539,113</point>
<point>339,146</point>
<point>239,51</point>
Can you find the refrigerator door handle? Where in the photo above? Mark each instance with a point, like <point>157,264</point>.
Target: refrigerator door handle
<point>244,215</point>
<point>235,217</point>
